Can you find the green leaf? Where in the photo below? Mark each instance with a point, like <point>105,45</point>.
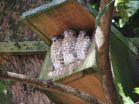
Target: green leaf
<point>125,9</point>
<point>136,90</point>
<point>126,99</point>
<point>4,85</point>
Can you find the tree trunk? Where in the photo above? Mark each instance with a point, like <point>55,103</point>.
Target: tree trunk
<point>12,29</point>
<point>102,42</point>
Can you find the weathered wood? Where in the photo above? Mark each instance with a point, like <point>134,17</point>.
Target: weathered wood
<point>42,8</point>
<point>54,20</point>
<point>23,48</point>
<point>38,32</point>
<point>50,85</point>
<point>46,67</point>
<point>89,83</point>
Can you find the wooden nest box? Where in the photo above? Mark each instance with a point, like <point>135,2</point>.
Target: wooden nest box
<point>52,19</point>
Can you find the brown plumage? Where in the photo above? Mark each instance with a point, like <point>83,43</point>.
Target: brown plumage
<point>56,52</point>
<point>68,46</point>
<point>82,45</point>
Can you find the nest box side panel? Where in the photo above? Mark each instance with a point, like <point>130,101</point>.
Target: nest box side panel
<point>89,83</point>
<point>68,99</point>
<point>68,15</point>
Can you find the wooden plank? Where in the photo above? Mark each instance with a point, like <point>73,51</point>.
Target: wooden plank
<point>41,8</point>
<point>38,32</point>
<point>89,83</point>
<point>23,48</point>
<point>70,15</point>
<point>46,67</point>
<point>54,20</point>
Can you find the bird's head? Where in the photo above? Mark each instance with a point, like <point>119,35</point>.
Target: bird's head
<point>69,32</point>
<point>82,33</point>
<point>55,39</point>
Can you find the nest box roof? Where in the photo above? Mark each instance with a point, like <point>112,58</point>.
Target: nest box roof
<point>53,18</point>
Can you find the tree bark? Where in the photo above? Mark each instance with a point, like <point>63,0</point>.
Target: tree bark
<point>102,37</point>
<point>50,85</point>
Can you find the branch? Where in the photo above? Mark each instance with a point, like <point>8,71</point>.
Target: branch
<point>48,85</point>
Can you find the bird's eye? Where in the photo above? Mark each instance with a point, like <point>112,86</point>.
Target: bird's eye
<point>55,40</point>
